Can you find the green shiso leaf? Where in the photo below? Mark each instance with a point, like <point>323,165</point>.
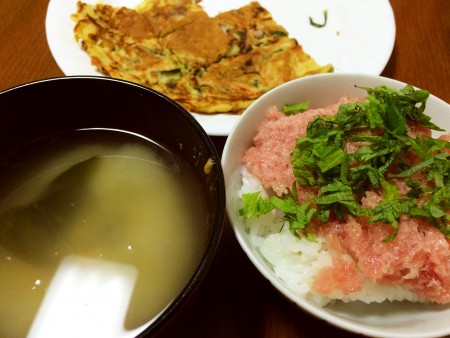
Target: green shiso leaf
<point>295,108</point>
<point>380,128</point>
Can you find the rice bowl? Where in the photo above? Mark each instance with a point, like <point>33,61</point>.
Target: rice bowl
<point>387,319</point>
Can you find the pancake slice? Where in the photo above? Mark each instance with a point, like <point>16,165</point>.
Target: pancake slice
<point>207,64</point>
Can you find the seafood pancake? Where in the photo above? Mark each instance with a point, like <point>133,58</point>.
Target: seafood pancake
<point>207,64</point>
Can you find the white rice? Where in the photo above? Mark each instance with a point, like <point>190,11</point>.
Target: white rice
<point>298,261</point>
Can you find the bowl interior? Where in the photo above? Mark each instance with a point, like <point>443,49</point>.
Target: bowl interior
<point>46,107</point>
<point>381,320</point>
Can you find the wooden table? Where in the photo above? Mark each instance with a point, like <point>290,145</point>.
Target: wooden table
<point>235,300</point>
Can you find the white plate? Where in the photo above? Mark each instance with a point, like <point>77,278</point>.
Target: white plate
<point>358,37</point>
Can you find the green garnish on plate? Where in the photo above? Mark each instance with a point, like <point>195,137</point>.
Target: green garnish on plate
<point>320,25</point>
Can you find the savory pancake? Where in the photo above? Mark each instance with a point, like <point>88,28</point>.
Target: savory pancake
<point>167,16</point>
<point>208,64</point>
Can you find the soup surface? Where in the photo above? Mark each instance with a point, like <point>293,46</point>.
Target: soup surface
<point>106,210</point>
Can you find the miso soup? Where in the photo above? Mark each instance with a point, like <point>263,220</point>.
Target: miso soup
<point>101,200</point>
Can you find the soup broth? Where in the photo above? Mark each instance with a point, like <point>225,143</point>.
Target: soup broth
<point>98,196</point>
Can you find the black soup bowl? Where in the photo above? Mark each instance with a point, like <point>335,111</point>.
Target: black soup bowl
<point>89,239</point>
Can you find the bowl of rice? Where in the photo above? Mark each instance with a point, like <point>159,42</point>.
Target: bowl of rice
<point>338,192</point>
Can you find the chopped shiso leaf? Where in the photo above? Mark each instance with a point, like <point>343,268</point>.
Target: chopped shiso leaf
<point>292,109</point>
<point>386,153</point>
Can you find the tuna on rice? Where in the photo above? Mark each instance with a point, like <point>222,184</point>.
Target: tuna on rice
<point>349,259</point>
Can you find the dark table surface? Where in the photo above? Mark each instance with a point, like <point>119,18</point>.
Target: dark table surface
<point>235,300</point>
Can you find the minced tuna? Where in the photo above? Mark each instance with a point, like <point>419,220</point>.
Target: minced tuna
<point>417,259</point>
<point>270,157</point>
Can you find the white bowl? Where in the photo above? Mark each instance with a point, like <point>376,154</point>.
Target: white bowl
<point>396,319</point>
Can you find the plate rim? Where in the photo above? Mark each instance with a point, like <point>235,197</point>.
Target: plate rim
<point>214,124</point>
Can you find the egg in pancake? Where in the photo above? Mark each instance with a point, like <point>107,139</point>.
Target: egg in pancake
<point>217,64</point>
